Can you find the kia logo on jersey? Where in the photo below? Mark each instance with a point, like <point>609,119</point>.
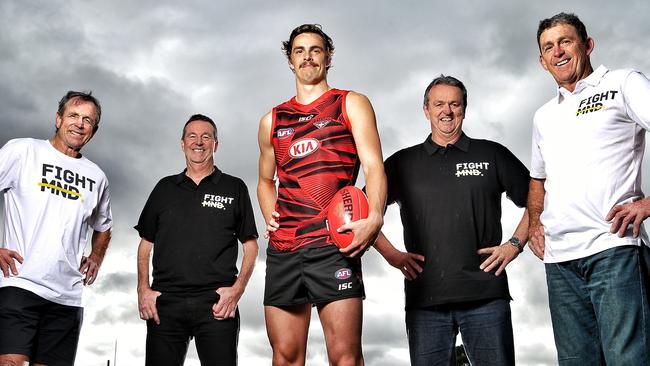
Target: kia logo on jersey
<point>343,274</point>
<point>304,147</point>
<point>285,133</point>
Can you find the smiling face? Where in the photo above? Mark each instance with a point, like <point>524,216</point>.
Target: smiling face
<point>74,126</point>
<point>565,55</point>
<point>309,59</point>
<point>445,111</point>
<point>199,143</point>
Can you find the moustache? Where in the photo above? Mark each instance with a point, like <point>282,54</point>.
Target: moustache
<point>308,63</point>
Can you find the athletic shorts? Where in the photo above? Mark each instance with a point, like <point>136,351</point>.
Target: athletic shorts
<point>44,331</point>
<point>311,276</point>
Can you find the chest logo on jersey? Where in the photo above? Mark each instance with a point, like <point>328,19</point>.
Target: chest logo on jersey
<point>285,133</point>
<point>305,118</point>
<point>595,102</point>
<point>216,201</point>
<point>304,147</point>
<point>472,169</point>
<point>63,182</point>
<point>322,122</point>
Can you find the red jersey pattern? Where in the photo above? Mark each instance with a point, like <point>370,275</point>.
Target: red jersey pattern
<point>315,156</point>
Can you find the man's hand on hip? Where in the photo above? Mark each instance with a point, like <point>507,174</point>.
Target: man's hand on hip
<point>7,258</point>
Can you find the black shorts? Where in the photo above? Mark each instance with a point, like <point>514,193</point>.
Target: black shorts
<point>44,331</point>
<point>311,276</point>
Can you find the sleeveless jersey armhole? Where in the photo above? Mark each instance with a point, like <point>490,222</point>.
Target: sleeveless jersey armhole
<point>272,125</point>
<point>344,109</point>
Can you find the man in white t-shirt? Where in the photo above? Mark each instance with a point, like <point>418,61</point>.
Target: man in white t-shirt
<point>585,201</point>
<point>53,196</point>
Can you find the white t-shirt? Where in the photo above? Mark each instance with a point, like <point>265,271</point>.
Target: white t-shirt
<point>51,200</point>
<point>589,146</point>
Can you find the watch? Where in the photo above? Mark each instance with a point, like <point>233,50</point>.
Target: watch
<point>514,241</point>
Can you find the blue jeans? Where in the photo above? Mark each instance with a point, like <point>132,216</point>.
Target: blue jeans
<point>485,327</point>
<point>599,307</point>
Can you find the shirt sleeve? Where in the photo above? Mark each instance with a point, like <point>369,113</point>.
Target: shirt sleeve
<point>636,93</point>
<point>513,176</point>
<point>102,218</point>
<point>391,181</point>
<point>148,222</point>
<point>246,228</point>
<point>537,165</point>
<point>10,165</point>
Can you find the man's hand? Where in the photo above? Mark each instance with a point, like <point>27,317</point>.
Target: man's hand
<point>406,262</point>
<point>272,224</point>
<point>500,256</point>
<point>147,304</point>
<point>365,233</point>
<point>628,213</point>
<point>536,241</point>
<point>7,258</point>
<point>227,305</point>
<point>90,268</point>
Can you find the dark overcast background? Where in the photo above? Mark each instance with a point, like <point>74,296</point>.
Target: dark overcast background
<point>154,63</point>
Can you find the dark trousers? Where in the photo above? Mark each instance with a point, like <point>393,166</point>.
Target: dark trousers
<point>183,317</point>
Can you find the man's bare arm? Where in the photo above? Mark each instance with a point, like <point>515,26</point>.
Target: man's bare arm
<point>366,137</point>
<point>266,191</point>
<point>90,265</point>
<point>146,296</point>
<point>536,193</point>
<point>229,296</point>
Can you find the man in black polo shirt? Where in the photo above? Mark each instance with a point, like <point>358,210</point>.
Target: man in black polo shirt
<point>194,219</point>
<point>449,192</point>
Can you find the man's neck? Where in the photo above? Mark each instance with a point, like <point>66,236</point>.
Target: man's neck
<point>306,94</point>
<point>65,149</point>
<point>197,172</point>
<point>444,140</point>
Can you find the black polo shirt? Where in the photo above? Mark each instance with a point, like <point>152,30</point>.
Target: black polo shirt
<point>195,229</point>
<point>450,205</point>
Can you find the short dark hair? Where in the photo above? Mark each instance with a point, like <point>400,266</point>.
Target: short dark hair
<point>562,18</point>
<point>309,28</point>
<point>200,117</point>
<point>86,97</point>
<point>446,80</point>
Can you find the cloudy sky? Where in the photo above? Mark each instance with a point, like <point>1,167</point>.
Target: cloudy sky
<point>154,63</point>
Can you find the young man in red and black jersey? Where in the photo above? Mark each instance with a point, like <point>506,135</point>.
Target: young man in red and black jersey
<point>315,143</point>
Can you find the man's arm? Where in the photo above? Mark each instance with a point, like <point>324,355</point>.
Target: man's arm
<point>502,255</point>
<point>366,137</point>
<point>90,265</point>
<point>146,296</point>
<point>229,296</point>
<point>404,261</point>
<point>536,193</point>
<point>266,190</point>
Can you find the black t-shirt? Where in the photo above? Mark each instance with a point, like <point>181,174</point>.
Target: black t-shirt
<point>450,206</point>
<point>195,231</point>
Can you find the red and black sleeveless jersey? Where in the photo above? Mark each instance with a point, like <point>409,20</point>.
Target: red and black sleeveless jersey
<point>315,156</point>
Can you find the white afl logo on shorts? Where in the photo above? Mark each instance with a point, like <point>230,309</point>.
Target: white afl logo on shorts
<point>343,274</point>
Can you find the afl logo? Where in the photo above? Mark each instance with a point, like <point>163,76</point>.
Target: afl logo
<point>285,133</point>
<point>343,274</point>
<point>304,147</point>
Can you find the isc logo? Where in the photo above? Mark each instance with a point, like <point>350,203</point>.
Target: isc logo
<point>345,286</point>
<point>304,147</point>
<point>343,274</point>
